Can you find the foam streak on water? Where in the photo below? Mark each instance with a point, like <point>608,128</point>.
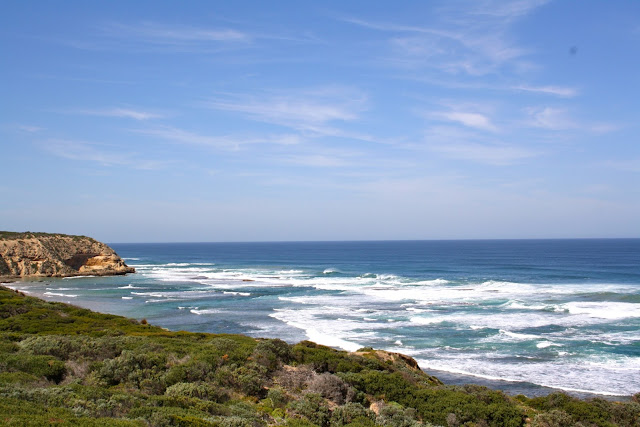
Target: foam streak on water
<point>561,314</point>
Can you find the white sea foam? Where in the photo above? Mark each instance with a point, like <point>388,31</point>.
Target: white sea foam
<point>129,286</point>
<point>607,377</point>
<point>57,294</point>
<point>519,305</point>
<point>127,297</point>
<point>204,311</point>
<point>519,336</point>
<point>244,294</point>
<point>78,277</point>
<point>545,344</point>
<point>604,310</point>
<point>149,294</point>
<point>151,301</point>
<point>299,300</point>
<point>294,272</point>
<point>432,282</point>
<point>317,332</point>
<point>428,320</point>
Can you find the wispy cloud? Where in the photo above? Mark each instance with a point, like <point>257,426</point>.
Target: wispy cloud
<point>161,38</point>
<point>121,113</point>
<point>560,119</point>
<point>152,32</point>
<point>29,128</point>
<point>469,119</point>
<point>318,160</point>
<point>566,92</point>
<point>311,110</point>
<point>507,10</point>
<point>493,154</point>
<point>472,40</point>
<point>458,143</point>
<point>102,154</point>
<point>550,118</point>
<point>629,165</point>
<point>227,142</point>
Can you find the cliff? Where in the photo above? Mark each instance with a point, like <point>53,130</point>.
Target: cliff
<point>56,255</point>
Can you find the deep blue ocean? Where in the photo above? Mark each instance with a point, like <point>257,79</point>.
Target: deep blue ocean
<point>518,315</point>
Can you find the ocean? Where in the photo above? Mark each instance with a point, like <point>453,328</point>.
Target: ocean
<point>524,316</point>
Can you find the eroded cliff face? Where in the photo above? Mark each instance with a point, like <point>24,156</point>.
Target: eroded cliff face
<point>56,255</point>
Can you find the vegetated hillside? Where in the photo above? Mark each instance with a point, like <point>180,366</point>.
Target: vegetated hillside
<point>64,364</point>
<point>56,255</point>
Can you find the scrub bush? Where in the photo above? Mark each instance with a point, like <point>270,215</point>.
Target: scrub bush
<point>271,353</point>
<point>312,407</point>
<point>394,415</point>
<point>40,366</point>
<point>352,413</point>
<point>330,387</point>
<point>199,390</point>
<point>295,379</point>
<point>137,369</point>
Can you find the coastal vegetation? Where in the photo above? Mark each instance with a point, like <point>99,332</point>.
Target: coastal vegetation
<point>15,235</point>
<point>60,364</point>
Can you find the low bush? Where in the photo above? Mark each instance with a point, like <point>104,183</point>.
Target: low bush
<point>312,407</point>
<point>331,387</point>
<point>142,370</point>
<point>199,390</point>
<point>352,413</point>
<point>394,415</point>
<point>40,366</point>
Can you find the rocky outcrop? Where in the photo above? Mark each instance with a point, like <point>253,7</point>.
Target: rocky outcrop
<point>56,255</point>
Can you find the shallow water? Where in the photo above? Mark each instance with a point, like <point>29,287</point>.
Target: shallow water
<point>513,314</point>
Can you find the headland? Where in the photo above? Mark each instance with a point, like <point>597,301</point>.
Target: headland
<point>29,255</point>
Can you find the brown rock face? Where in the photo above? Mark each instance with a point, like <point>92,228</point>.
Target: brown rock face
<point>56,255</point>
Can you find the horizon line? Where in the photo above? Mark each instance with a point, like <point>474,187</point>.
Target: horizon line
<point>385,240</point>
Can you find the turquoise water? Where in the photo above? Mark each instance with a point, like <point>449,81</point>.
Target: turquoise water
<point>513,314</point>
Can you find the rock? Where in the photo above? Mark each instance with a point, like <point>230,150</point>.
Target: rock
<point>56,255</point>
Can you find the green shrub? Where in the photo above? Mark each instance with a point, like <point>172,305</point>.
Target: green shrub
<point>170,416</point>
<point>312,407</point>
<point>143,370</point>
<point>554,418</point>
<point>271,353</point>
<point>49,345</point>
<point>191,371</point>
<point>249,378</point>
<point>590,412</point>
<point>276,398</point>
<point>234,421</point>
<point>394,415</point>
<point>41,366</point>
<point>199,390</point>
<point>325,359</point>
<point>352,413</point>
<point>17,378</point>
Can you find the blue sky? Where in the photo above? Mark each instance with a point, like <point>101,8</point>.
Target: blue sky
<point>250,120</point>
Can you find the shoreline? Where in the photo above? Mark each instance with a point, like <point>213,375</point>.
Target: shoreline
<point>509,387</point>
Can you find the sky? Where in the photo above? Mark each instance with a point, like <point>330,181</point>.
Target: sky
<point>147,121</point>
